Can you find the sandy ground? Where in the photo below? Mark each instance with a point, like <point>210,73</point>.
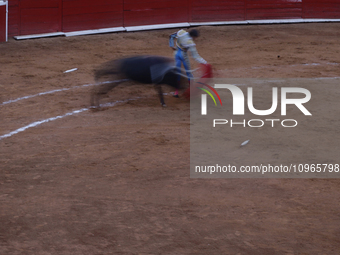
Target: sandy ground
<point>117,181</point>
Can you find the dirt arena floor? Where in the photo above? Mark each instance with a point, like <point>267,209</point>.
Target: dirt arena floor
<point>117,181</point>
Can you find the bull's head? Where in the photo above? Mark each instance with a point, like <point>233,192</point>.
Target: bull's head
<point>169,75</point>
<point>175,78</point>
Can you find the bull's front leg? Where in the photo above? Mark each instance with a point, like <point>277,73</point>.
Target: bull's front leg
<point>158,88</point>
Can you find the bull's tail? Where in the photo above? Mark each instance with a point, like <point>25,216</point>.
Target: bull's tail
<point>100,73</point>
<point>107,70</point>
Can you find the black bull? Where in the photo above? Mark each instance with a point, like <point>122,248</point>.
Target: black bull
<point>155,70</point>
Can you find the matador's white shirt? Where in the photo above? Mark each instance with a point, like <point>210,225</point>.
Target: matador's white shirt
<point>186,43</point>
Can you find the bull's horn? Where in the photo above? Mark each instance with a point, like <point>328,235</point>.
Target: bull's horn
<point>189,71</point>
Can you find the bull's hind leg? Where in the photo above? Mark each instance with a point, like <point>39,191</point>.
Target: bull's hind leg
<point>107,77</point>
<point>101,90</point>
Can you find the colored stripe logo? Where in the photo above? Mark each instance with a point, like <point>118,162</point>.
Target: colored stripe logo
<point>209,93</point>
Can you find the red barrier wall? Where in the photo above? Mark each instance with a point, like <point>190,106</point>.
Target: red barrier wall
<point>87,14</point>
<point>137,13</point>
<point>321,9</point>
<point>37,16</point>
<point>13,18</point>
<point>217,10</point>
<point>43,16</point>
<point>2,23</point>
<point>273,9</point>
